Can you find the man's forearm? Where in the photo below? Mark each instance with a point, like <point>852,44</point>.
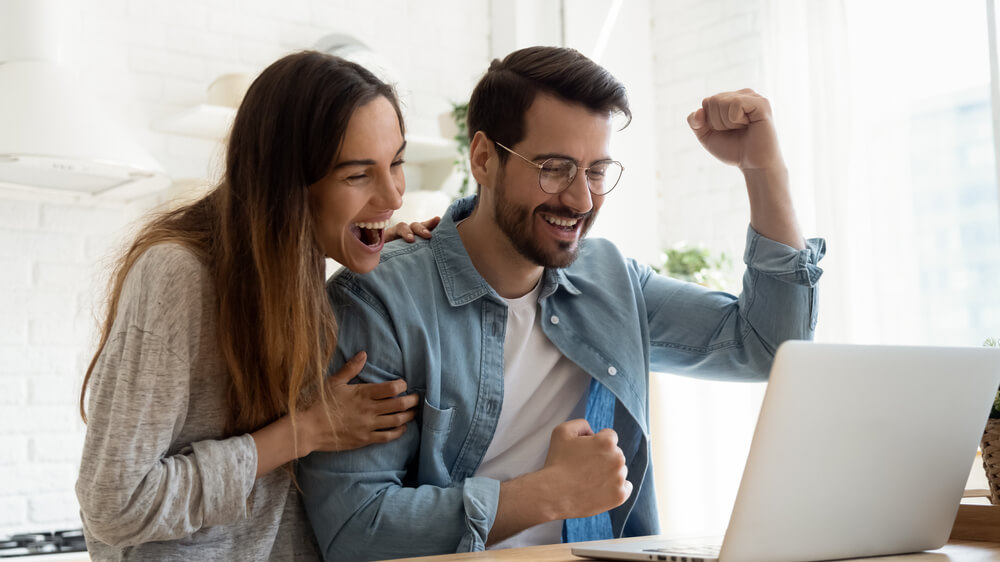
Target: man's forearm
<point>584,474</point>
<point>771,211</point>
<point>523,503</point>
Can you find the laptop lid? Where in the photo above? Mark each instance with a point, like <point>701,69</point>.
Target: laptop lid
<point>858,451</point>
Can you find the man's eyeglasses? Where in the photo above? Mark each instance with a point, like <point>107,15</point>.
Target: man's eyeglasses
<point>556,174</point>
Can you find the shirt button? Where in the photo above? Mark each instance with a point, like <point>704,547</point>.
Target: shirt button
<point>554,319</point>
<point>612,371</point>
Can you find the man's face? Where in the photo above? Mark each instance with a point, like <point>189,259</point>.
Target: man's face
<point>547,229</point>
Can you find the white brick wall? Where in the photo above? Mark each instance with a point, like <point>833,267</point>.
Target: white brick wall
<point>701,48</point>
<point>51,251</point>
<point>147,60</point>
<point>703,430</point>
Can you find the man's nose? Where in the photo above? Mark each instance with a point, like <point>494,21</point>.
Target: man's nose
<point>577,195</point>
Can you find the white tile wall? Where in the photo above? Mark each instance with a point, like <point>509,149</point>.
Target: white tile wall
<point>148,59</point>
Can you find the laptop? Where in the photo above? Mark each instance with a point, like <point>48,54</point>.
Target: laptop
<point>858,451</point>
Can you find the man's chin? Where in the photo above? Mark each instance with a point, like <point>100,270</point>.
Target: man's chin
<point>559,259</point>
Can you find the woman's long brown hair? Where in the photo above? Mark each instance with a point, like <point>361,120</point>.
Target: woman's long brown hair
<point>255,232</point>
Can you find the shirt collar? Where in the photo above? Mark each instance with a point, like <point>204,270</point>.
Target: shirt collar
<point>462,282</point>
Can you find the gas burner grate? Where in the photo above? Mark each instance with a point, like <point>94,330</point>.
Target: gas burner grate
<point>27,544</point>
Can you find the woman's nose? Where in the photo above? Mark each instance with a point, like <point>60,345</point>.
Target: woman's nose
<point>391,190</point>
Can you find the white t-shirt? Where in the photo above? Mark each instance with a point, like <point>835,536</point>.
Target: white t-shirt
<point>542,389</point>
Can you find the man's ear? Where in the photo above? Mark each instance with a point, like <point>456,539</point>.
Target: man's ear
<point>482,158</point>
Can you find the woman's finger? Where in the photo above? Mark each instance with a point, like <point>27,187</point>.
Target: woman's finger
<point>386,435</point>
<point>394,420</point>
<point>389,389</point>
<point>398,404</point>
<point>424,228</point>
<point>350,369</point>
<point>399,230</point>
<point>420,230</point>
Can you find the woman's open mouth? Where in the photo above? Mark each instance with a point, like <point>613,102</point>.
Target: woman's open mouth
<point>370,233</point>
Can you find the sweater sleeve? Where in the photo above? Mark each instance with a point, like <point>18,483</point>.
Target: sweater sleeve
<point>137,483</point>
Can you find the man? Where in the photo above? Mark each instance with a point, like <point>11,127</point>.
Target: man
<point>531,347</point>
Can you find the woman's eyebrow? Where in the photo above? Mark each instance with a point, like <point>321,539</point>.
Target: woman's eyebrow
<point>366,162</point>
<point>347,163</point>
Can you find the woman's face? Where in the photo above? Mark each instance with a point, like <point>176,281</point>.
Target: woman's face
<point>354,202</point>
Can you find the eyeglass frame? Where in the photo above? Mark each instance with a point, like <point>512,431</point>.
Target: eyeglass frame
<point>572,179</point>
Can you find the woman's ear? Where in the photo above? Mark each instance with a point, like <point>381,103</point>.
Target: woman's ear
<point>482,158</point>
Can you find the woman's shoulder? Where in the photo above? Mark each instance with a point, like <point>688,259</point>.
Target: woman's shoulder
<point>171,264</point>
<point>169,260</point>
<point>166,288</point>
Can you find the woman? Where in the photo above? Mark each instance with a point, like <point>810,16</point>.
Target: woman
<point>209,376</point>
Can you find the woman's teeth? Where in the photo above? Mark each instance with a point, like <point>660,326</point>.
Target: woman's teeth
<point>370,233</point>
<point>373,225</point>
<point>566,223</point>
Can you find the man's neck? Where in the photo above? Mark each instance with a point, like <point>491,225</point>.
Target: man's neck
<point>509,273</point>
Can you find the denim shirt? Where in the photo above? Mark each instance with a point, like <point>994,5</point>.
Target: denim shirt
<point>425,314</point>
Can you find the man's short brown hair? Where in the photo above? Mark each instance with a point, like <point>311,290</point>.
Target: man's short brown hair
<point>503,96</point>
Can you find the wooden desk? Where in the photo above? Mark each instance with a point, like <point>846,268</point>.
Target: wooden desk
<point>975,537</point>
<point>954,551</point>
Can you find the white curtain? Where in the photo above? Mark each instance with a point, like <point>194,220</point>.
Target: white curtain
<point>882,108</point>
<point>884,119</point>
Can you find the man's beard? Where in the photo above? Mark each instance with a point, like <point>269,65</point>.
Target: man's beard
<point>516,222</point>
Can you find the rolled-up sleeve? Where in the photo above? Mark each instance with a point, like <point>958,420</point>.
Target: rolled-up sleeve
<point>780,288</point>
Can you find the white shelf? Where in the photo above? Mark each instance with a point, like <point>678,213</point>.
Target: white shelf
<point>203,121</point>
<point>212,122</point>
<point>432,157</point>
<point>421,149</point>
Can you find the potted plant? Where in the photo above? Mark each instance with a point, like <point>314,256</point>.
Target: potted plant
<point>696,264</point>
<point>990,444</point>
<point>459,114</point>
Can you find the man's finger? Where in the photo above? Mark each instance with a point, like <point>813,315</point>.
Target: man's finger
<point>736,115</point>
<point>575,428</point>
<point>696,120</point>
<point>609,434</point>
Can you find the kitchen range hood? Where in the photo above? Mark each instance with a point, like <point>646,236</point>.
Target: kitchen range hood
<point>53,134</point>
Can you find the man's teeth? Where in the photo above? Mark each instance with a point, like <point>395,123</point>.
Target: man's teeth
<point>562,222</point>
<point>373,225</point>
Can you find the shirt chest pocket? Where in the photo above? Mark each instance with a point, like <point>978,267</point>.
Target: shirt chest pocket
<point>435,428</point>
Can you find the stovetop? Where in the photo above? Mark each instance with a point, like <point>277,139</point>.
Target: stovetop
<point>50,542</point>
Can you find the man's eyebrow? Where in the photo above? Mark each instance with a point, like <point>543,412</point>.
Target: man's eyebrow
<point>548,155</point>
<point>366,162</point>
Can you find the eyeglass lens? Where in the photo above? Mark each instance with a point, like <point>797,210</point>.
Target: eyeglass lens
<point>556,174</point>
